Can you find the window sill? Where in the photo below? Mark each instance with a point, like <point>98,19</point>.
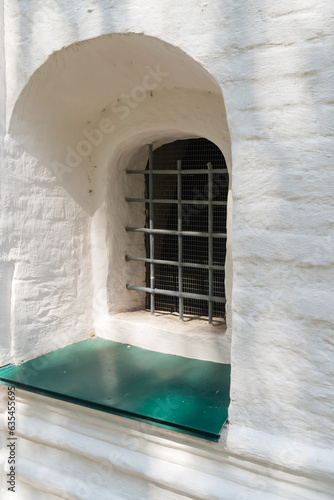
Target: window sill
<point>191,338</point>
<point>187,395</point>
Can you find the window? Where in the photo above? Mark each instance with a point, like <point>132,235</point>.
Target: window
<point>186,186</point>
<point>183,194</point>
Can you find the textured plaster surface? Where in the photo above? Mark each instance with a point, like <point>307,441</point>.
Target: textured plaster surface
<point>96,455</point>
<point>44,260</point>
<point>2,71</point>
<point>273,64</point>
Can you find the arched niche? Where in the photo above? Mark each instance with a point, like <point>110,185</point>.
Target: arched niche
<point>80,86</point>
<point>88,114</point>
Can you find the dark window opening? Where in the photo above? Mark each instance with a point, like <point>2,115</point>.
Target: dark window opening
<point>185,233</point>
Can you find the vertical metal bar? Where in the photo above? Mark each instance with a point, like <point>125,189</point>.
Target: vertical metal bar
<point>179,228</point>
<point>210,242</point>
<point>151,223</point>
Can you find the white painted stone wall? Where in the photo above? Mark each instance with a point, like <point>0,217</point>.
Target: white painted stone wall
<point>270,67</point>
<point>2,72</point>
<point>98,456</point>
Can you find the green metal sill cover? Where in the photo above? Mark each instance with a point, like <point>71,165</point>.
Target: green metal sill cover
<point>187,395</point>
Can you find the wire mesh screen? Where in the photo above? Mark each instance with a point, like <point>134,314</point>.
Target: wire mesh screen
<point>194,155</point>
<point>185,233</point>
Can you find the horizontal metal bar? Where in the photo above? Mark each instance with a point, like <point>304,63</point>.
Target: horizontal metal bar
<point>175,263</point>
<point>184,172</point>
<point>166,231</point>
<point>175,294</point>
<point>175,202</point>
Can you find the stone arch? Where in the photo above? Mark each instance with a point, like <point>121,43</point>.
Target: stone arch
<point>77,87</point>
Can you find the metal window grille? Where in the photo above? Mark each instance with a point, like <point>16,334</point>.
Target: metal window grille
<point>185,233</point>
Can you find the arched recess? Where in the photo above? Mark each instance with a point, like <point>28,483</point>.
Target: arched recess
<point>88,114</point>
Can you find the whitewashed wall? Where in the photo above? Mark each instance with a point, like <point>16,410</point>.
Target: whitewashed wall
<point>45,297</point>
<point>273,66</point>
<point>99,456</point>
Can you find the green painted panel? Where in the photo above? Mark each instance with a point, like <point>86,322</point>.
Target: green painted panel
<point>185,394</point>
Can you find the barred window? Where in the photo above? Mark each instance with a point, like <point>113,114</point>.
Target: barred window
<point>185,232</point>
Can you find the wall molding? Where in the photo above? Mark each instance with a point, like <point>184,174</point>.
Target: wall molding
<point>64,450</point>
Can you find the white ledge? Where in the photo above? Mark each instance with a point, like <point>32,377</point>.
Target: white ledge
<point>191,338</point>
<point>177,466</point>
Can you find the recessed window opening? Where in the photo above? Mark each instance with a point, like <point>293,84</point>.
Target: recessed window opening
<point>186,187</point>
